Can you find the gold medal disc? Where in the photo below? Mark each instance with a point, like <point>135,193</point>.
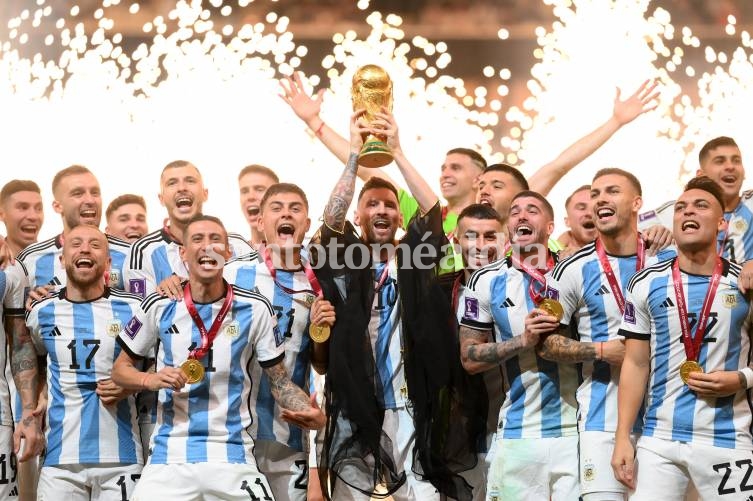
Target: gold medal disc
<point>193,370</point>
<point>319,333</point>
<point>552,307</point>
<point>687,367</point>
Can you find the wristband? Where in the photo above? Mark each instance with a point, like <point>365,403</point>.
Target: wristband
<point>748,373</point>
<point>318,130</point>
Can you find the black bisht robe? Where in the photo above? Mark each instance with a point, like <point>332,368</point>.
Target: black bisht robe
<point>445,407</point>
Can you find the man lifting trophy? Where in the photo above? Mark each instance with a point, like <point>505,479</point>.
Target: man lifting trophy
<point>371,91</point>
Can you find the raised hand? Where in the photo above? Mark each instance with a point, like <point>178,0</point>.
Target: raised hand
<point>305,107</point>
<point>642,100</point>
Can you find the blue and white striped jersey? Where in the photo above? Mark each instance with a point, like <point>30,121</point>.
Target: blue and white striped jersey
<point>156,256</point>
<point>13,288</point>
<point>42,262</point>
<point>292,311</point>
<point>78,339</point>
<point>674,412</point>
<point>208,421</point>
<point>737,241</point>
<point>591,310</point>
<point>540,394</point>
<point>386,337</point>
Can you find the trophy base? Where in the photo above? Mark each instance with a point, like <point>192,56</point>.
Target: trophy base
<point>375,153</point>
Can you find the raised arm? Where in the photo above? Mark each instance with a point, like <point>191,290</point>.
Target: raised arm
<point>307,108</point>
<point>23,366</point>
<point>419,188</point>
<point>297,407</point>
<point>624,112</point>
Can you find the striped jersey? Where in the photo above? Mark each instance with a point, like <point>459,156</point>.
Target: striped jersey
<point>156,256</point>
<point>207,421</point>
<point>493,382</point>
<point>737,240</point>
<point>674,412</point>
<point>386,336</point>
<point>539,394</point>
<point>42,262</point>
<point>78,339</point>
<point>249,272</point>
<point>13,289</point>
<point>592,313</point>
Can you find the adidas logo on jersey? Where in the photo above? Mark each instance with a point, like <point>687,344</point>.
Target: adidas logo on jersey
<point>667,303</point>
<point>507,304</point>
<point>602,290</point>
<point>55,281</point>
<point>173,329</point>
<point>13,492</point>
<point>54,332</point>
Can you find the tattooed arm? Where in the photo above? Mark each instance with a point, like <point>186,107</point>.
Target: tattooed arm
<point>297,408</point>
<point>342,194</point>
<point>24,369</point>
<point>558,347</point>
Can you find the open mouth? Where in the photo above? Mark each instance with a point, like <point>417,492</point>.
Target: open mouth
<point>252,210</point>
<point>182,202</point>
<point>523,230</point>
<point>84,262</point>
<point>29,228</point>
<point>133,234</point>
<point>605,212</point>
<point>285,230</point>
<point>207,262</point>
<point>88,213</point>
<point>690,225</point>
<point>483,199</point>
<point>589,224</point>
<point>382,224</point>
<point>730,179</point>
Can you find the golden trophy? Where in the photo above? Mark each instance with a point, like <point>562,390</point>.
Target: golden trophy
<point>372,90</point>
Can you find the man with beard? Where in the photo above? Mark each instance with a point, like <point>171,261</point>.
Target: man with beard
<point>93,447</point>
<point>79,201</point>
<point>253,182</point>
<point>155,256</point>
<point>282,274</point>
<point>393,355</point>
<point>208,343</point>
<point>590,286</point>
<point>126,218</point>
<point>687,330</point>
<point>536,449</point>
<point>580,221</point>
<point>462,166</point>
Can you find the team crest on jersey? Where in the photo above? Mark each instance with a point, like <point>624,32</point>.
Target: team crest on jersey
<point>114,278</point>
<point>233,329</point>
<point>739,225</point>
<point>471,308</point>
<point>729,300</point>
<point>137,286</point>
<point>629,314</point>
<point>589,472</point>
<point>114,327</point>
<point>132,327</point>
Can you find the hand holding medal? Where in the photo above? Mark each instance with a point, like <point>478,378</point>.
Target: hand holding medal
<point>322,317</point>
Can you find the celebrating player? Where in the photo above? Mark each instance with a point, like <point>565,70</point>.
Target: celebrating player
<point>207,342</point>
<point>687,351</point>
<point>536,454</point>
<point>126,218</point>
<point>93,447</point>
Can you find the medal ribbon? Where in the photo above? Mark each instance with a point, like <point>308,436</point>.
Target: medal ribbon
<point>383,276</point>
<point>692,342</point>
<point>536,276</point>
<point>166,229</point>
<point>316,288</point>
<point>207,338</point>
<point>455,291</point>
<point>609,272</point>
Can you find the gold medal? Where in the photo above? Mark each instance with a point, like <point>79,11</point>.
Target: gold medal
<point>193,370</point>
<point>687,367</point>
<point>319,333</point>
<point>552,307</point>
